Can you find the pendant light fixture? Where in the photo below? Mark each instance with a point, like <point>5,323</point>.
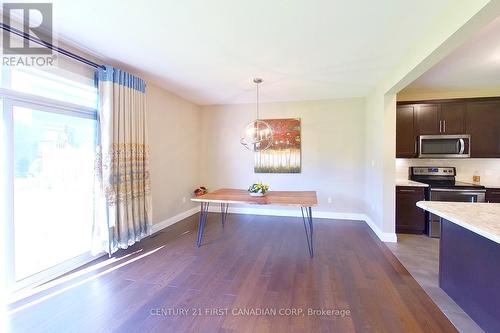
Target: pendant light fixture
<point>257,135</point>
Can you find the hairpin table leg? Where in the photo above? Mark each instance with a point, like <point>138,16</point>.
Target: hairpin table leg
<point>223,212</point>
<point>308,226</point>
<point>202,221</point>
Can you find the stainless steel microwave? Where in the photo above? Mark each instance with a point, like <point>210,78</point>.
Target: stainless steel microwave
<point>444,146</point>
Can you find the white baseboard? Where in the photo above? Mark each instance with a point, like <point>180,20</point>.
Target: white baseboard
<point>389,237</point>
<point>174,219</point>
<point>289,213</point>
<point>383,236</point>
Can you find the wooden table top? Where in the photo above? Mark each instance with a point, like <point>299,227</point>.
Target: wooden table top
<point>282,198</point>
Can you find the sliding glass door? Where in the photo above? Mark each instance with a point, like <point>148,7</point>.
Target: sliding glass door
<point>53,186</point>
<point>48,159</point>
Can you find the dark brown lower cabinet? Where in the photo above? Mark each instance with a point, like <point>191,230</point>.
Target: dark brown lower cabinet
<point>493,195</point>
<point>410,219</point>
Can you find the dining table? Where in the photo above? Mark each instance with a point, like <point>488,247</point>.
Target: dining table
<point>305,200</point>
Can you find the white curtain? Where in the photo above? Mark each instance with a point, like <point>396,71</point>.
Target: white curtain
<point>123,208</point>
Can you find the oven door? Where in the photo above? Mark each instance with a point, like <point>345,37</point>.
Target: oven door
<point>444,146</point>
<point>451,195</point>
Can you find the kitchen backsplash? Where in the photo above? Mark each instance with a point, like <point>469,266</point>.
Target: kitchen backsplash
<point>487,168</point>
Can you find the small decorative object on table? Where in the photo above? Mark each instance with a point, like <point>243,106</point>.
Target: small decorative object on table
<point>258,189</point>
<point>200,191</point>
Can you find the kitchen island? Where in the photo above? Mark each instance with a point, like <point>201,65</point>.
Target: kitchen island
<point>469,258</point>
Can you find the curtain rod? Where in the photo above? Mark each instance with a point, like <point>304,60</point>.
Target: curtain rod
<point>50,46</point>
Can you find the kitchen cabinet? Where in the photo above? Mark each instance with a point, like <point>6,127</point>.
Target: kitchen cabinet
<point>479,117</point>
<point>493,195</point>
<point>452,118</point>
<point>483,124</point>
<point>469,270</point>
<point>427,119</point>
<point>409,218</point>
<point>406,141</point>
<point>440,118</point>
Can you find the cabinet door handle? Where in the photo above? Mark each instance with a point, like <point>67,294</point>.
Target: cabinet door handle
<point>405,190</point>
<point>444,126</point>
<point>440,126</point>
<point>493,193</point>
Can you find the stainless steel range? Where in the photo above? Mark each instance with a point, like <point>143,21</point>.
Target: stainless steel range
<point>444,187</point>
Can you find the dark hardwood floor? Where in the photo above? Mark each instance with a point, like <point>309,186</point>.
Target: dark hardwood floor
<point>256,263</point>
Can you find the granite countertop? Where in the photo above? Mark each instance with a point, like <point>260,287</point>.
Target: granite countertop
<point>407,182</point>
<point>481,218</point>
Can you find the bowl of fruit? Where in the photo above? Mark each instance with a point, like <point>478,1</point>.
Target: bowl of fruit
<point>258,189</point>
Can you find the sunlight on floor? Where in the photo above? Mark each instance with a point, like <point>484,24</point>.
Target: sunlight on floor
<point>82,272</point>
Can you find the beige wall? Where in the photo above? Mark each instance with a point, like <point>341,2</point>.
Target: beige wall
<point>174,137</point>
<point>380,169</point>
<point>333,140</point>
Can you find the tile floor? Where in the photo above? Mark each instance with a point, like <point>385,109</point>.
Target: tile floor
<point>420,256</point>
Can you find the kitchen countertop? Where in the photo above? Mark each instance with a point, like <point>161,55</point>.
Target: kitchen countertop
<point>487,185</point>
<point>495,186</point>
<point>480,218</point>
<point>407,182</point>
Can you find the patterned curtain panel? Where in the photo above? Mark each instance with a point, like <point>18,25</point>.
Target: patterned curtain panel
<point>123,207</point>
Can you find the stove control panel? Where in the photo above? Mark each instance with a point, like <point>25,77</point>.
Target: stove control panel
<point>432,171</point>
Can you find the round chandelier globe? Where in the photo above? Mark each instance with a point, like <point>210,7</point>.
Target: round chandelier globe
<point>257,136</point>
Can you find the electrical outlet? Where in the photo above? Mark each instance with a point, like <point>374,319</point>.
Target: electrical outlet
<point>476,179</point>
<point>329,200</point>
<point>183,199</point>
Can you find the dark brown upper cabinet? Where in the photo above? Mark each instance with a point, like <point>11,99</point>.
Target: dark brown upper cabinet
<point>479,117</point>
<point>443,118</point>
<point>427,119</point>
<point>452,118</point>
<point>406,143</point>
<point>483,125</point>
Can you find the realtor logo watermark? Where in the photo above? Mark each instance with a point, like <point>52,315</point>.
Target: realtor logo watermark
<point>35,20</point>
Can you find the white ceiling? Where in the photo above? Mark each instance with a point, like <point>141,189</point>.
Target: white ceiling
<point>208,51</point>
<point>474,66</point>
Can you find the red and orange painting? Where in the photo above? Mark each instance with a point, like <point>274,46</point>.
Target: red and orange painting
<point>283,156</point>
